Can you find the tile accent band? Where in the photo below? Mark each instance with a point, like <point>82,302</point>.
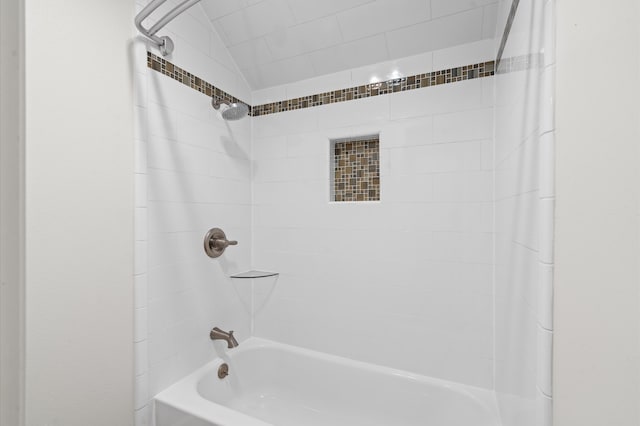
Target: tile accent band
<point>451,75</point>
<point>169,69</point>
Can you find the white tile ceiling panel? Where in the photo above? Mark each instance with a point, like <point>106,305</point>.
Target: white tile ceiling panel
<point>283,41</point>
<point>256,79</point>
<point>452,30</point>
<point>354,54</point>
<point>411,40</point>
<point>490,21</point>
<point>304,38</point>
<point>307,10</point>
<point>281,72</point>
<point>256,21</point>
<point>441,8</point>
<point>218,8</point>
<point>437,34</point>
<point>251,53</point>
<point>381,15</point>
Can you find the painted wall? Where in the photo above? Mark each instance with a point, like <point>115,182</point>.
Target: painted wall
<point>597,352</point>
<point>79,221</point>
<point>405,282</point>
<point>192,174</point>
<point>11,213</point>
<point>524,191</point>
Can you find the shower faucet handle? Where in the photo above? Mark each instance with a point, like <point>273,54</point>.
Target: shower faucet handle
<point>215,242</point>
<point>224,243</point>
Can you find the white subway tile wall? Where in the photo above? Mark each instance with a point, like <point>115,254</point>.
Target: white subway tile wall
<point>192,174</point>
<point>411,269</point>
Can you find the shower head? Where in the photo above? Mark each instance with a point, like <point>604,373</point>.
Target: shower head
<point>230,112</point>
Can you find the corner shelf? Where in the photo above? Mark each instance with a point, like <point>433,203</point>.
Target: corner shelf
<point>254,274</point>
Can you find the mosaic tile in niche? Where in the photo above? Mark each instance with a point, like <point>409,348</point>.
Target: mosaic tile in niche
<point>356,169</point>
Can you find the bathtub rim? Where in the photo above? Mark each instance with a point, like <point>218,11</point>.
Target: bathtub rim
<point>184,396</point>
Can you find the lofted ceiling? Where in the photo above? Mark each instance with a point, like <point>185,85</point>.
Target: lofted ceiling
<point>281,41</point>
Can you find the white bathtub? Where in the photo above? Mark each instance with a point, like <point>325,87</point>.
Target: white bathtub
<point>275,384</point>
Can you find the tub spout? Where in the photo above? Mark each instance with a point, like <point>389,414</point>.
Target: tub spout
<point>217,334</point>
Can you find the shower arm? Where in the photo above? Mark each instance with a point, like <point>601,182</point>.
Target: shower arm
<point>216,103</point>
<point>165,44</point>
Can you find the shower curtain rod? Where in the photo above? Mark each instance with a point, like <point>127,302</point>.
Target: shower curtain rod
<point>165,44</point>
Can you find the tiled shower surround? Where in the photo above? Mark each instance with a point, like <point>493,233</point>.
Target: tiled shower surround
<point>416,263</point>
<point>406,282</point>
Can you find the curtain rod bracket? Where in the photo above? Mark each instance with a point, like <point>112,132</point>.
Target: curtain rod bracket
<point>164,43</point>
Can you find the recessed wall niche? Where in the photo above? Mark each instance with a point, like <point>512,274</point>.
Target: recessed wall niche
<point>355,169</point>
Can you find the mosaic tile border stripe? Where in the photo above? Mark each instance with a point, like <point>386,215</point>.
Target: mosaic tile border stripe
<point>451,75</point>
<point>169,69</point>
<point>418,81</point>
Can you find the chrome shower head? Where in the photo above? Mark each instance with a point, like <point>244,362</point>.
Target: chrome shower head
<point>230,112</point>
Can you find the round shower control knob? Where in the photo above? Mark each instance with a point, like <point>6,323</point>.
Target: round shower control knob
<point>215,242</point>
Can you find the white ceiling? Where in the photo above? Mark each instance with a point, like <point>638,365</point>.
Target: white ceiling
<point>282,41</point>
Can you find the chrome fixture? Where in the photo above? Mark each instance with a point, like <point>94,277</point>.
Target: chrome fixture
<point>223,371</point>
<point>217,334</point>
<point>230,111</point>
<point>215,242</point>
<point>165,44</point>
